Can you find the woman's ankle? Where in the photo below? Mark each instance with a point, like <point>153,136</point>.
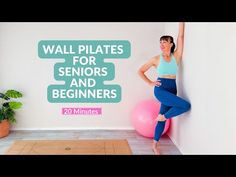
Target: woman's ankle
<point>161,118</point>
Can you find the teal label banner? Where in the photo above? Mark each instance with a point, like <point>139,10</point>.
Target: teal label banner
<point>84,69</point>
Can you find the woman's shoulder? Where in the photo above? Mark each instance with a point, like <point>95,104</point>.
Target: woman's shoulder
<point>155,60</point>
<point>157,57</point>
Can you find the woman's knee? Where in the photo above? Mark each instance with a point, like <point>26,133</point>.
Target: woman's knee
<point>187,106</point>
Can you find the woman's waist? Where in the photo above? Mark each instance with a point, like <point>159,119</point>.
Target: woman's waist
<point>167,83</point>
<point>167,77</point>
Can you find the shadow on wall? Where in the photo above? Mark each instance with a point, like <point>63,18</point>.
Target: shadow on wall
<point>182,93</point>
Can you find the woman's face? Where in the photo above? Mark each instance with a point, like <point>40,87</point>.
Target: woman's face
<point>165,46</point>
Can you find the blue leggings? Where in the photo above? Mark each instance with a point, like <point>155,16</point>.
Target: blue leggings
<point>171,105</point>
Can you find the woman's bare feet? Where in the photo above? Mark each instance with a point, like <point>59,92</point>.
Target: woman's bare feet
<point>156,147</point>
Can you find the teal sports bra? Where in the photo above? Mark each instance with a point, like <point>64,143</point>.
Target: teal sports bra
<point>167,68</point>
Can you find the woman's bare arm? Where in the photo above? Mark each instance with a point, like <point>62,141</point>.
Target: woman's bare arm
<point>180,42</point>
<point>144,68</point>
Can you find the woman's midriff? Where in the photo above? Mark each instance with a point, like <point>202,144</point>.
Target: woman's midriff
<point>168,76</point>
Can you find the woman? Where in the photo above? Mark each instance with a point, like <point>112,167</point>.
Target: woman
<point>165,91</point>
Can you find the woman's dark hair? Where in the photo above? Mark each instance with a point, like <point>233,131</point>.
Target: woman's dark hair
<point>171,39</point>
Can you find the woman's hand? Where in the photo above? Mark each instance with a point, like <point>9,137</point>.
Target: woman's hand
<point>155,83</point>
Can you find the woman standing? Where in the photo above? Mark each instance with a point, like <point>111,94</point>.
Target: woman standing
<point>165,90</point>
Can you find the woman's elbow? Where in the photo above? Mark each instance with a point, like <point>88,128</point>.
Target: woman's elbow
<point>140,72</point>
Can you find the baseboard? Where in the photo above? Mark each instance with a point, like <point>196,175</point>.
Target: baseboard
<point>175,143</point>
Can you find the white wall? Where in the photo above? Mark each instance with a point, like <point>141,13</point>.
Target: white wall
<point>21,69</point>
<point>207,78</point>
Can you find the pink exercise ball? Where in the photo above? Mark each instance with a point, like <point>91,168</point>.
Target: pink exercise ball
<point>143,118</point>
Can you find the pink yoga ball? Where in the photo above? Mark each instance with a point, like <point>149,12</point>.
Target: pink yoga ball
<point>143,118</point>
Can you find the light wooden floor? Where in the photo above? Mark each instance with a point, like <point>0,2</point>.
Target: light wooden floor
<point>138,144</point>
